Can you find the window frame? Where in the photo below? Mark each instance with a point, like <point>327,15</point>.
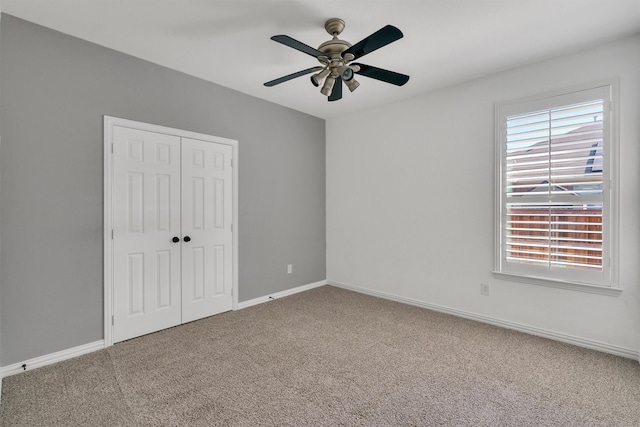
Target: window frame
<point>609,283</point>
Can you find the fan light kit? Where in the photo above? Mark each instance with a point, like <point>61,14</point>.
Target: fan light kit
<point>336,56</point>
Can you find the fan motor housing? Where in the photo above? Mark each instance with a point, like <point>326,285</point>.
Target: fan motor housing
<point>334,46</point>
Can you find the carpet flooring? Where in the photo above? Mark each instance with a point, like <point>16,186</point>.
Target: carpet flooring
<point>330,357</point>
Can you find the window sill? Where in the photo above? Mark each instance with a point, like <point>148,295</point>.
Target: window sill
<point>561,284</point>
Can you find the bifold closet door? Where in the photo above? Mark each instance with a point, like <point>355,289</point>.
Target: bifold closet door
<point>172,201</point>
<point>206,219</point>
<point>146,212</point>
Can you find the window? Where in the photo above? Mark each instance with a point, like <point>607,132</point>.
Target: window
<point>554,213</point>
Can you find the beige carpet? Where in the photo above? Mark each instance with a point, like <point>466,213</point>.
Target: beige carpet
<point>330,357</point>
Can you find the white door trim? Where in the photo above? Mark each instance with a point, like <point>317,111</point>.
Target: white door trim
<point>109,123</point>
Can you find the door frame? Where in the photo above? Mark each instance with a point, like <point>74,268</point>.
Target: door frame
<point>109,123</point>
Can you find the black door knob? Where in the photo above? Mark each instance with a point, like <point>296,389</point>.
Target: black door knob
<point>187,238</point>
<point>176,239</point>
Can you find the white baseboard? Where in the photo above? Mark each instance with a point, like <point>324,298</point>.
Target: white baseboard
<point>48,359</point>
<point>59,356</point>
<point>557,336</point>
<point>266,298</point>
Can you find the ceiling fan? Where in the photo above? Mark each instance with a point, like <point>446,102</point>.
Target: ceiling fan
<point>336,55</point>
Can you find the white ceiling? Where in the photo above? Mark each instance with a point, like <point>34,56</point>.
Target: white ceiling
<point>445,41</point>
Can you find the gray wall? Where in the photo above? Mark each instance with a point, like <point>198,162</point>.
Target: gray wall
<point>55,91</point>
<point>0,201</point>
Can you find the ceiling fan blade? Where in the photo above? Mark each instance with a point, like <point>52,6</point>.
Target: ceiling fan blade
<point>288,41</point>
<point>382,75</point>
<point>380,38</point>
<point>292,76</point>
<point>336,93</point>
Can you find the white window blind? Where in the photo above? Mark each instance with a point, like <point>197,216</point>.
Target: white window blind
<point>554,209</point>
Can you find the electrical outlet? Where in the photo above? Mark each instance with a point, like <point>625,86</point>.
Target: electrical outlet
<point>485,289</point>
<point>289,268</point>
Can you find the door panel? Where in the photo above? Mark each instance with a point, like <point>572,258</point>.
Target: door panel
<point>146,212</point>
<point>206,219</point>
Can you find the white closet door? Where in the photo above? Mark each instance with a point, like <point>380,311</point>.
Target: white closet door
<point>206,224</point>
<point>146,212</point>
